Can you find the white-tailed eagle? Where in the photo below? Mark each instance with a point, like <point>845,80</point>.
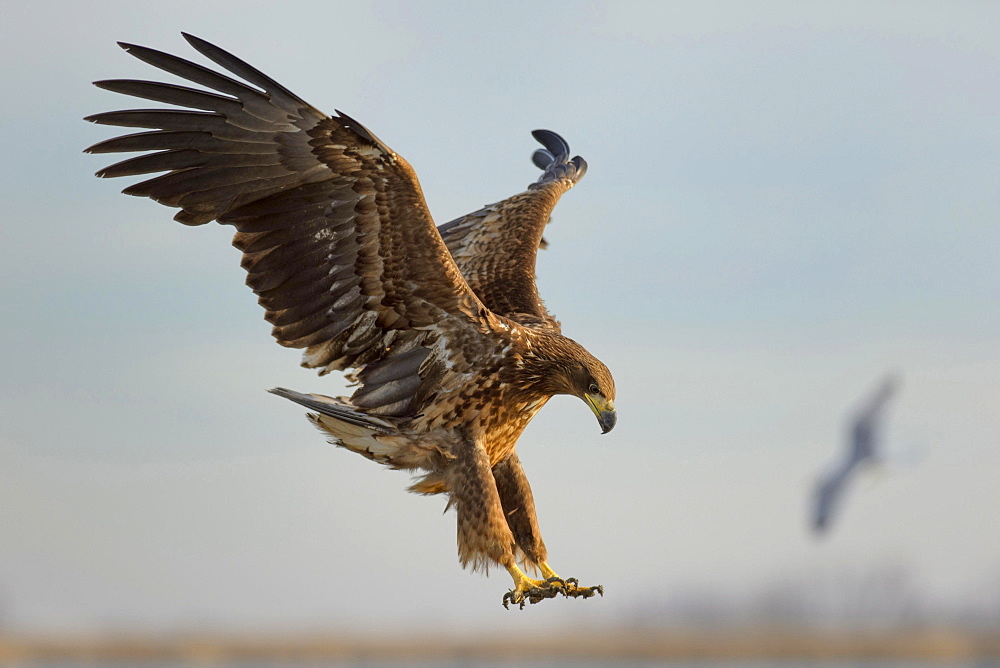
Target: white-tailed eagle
<point>442,329</point>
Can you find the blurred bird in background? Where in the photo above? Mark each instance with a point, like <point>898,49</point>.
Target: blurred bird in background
<point>862,452</point>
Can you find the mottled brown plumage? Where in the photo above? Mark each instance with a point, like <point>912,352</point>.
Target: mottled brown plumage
<point>443,330</point>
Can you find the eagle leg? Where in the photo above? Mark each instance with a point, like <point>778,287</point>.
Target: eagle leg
<point>485,535</point>
<point>484,538</point>
<point>519,510</point>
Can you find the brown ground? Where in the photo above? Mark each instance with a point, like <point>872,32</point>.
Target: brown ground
<point>939,644</point>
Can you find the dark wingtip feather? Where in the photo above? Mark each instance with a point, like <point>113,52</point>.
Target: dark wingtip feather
<point>542,158</point>
<point>246,71</point>
<point>197,42</point>
<point>554,160</point>
<point>553,142</point>
<point>133,49</point>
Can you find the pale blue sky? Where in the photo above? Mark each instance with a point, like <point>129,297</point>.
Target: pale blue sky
<point>783,203</point>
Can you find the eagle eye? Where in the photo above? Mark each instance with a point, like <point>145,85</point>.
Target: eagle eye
<point>593,389</point>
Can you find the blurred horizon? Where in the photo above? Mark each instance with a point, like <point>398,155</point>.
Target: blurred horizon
<point>784,203</point>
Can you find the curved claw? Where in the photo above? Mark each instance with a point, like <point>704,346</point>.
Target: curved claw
<point>513,596</point>
<point>550,588</point>
<point>587,592</point>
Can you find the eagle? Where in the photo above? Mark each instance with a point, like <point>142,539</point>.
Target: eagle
<point>441,330</point>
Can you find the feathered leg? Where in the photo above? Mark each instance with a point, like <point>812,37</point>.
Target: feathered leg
<point>484,538</point>
<point>483,535</point>
<point>519,510</point>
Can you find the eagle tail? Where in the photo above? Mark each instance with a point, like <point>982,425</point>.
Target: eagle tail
<point>375,438</point>
<point>364,434</point>
<point>338,409</point>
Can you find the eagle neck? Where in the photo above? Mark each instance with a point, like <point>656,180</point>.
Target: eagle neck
<point>547,365</point>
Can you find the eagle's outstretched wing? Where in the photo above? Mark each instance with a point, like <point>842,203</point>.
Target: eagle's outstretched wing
<point>495,247</point>
<point>336,237</point>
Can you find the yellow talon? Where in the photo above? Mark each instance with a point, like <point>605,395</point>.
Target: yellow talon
<point>529,590</point>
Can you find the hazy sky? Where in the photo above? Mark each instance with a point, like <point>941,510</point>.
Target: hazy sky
<point>784,203</point>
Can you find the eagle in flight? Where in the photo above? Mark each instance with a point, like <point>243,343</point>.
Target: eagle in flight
<point>441,330</point>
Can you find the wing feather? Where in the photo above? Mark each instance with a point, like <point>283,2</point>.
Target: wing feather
<point>160,140</point>
<point>182,96</point>
<point>336,237</point>
<point>496,247</point>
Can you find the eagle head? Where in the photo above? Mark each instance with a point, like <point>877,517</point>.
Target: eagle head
<point>583,375</point>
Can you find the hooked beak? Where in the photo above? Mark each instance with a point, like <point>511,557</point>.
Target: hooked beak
<point>604,410</point>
